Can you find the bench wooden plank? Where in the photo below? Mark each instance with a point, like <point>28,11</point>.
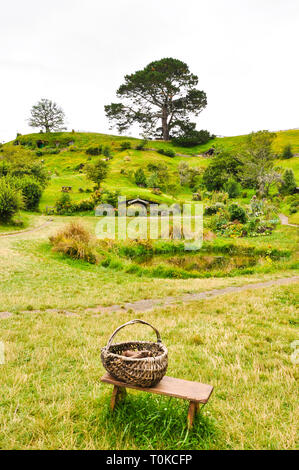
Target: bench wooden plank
<point>170,386</point>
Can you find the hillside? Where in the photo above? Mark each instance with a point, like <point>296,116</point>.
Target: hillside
<point>64,152</point>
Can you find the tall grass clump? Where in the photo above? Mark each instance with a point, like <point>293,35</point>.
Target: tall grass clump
<point>76,242</point>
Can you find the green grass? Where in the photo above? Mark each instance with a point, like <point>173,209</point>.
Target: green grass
<point>52,398</point>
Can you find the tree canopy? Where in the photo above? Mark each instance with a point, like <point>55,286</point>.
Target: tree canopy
<point>47,116</point>
<point>160,99</point>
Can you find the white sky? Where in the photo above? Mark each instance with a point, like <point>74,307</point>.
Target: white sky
<point>76,52</point>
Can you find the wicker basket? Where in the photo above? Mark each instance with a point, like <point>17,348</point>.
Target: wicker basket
<point>142,372</point>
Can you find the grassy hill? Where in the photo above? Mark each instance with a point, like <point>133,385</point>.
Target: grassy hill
<point>64,152</point>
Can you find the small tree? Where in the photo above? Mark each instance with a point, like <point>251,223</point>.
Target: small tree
<point>289,183</point>
<point>47,115</point>
<point>97,171</point>
<point>140,178</point>
<point>287,152</point>
<point>233,188</point>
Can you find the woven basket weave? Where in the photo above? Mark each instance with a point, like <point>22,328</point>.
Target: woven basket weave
<point>142,372</point>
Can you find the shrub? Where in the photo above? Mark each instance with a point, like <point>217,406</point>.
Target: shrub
<point>32,192</point>
<point>142,145</point>
<point>125,145</point>
<point>107,151</point>
<point>233,188</point>
<point>76,242</point>
<point>289,184</point>
<point>167,152</point>
<point>139,177</point>
<point>110,197</point>
<point>218,196</point>
<point>96,150</point>
<point>84,205</point>
<point>237,212</point>
<point>192,138</point>
<point>213,209</point>
<point>287,152</point>
<point>11,200</point>
<point>64,205</point>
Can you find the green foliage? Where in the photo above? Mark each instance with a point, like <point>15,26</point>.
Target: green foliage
<point>289,184</point>
<point>31,190</point>
<point>95,150</point>
<point>287,152</point>
<point>166,84</point>
<point>213,209</point>
<point>167,152</point>
<point>257,159</point>
<point>107,151</point>
<point>142,145</point>
<point>222,166</point>
<point>140,178</point>
<point>97,171</point>
<point>233,188</point>
<point>188,136</point>
<point>110,197</point>
<point>64,205</point>
<point>237,212</point>
<point>125,145</point>
<point>11,200</point>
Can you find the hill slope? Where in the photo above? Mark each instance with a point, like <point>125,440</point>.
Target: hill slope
<point>64,152</point>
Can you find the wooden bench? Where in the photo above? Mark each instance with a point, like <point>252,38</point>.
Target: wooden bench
<point>66,189</point>
<point>196,393</point>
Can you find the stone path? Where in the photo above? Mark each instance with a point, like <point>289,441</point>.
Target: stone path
<point>285,221</point>
<point>150,304</point>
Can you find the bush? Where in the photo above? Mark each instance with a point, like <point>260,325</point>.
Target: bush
<point>213,209</point>
<point>84,205</point>
<point>76,242</point>
<point>125,145</point>
<point>193,138</point>
<point>139,177</point>
<point>289,184</point>
<point>109,197</point>
<point>142,145</point>
<point>233,188</point>
<point>107,152</point>
<point>287,152</point>
<point>167,152</point>
<point>237,212</point>
<point>11,201</point>
<point>32,192</point>
<point>64,205</point>
<point>97,150</point>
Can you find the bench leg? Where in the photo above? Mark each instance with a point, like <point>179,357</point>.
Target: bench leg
<point>117,394</point>
<point>193,409</point>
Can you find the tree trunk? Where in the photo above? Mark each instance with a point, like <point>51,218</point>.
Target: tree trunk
<point>165,129</point>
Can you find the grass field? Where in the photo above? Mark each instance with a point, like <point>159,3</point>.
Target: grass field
<point>51,396</point>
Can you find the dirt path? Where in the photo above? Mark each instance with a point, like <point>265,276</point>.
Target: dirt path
<point>34,229</point>
<point>150,304</point>
<point>285,221</point>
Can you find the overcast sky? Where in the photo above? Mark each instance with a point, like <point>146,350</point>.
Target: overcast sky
<point>76,52</point>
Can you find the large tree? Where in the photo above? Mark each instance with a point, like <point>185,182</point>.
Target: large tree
<point>47,115</point>
<point>160,98</point>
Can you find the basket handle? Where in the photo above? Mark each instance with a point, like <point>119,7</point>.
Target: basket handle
<point>131,323</point>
